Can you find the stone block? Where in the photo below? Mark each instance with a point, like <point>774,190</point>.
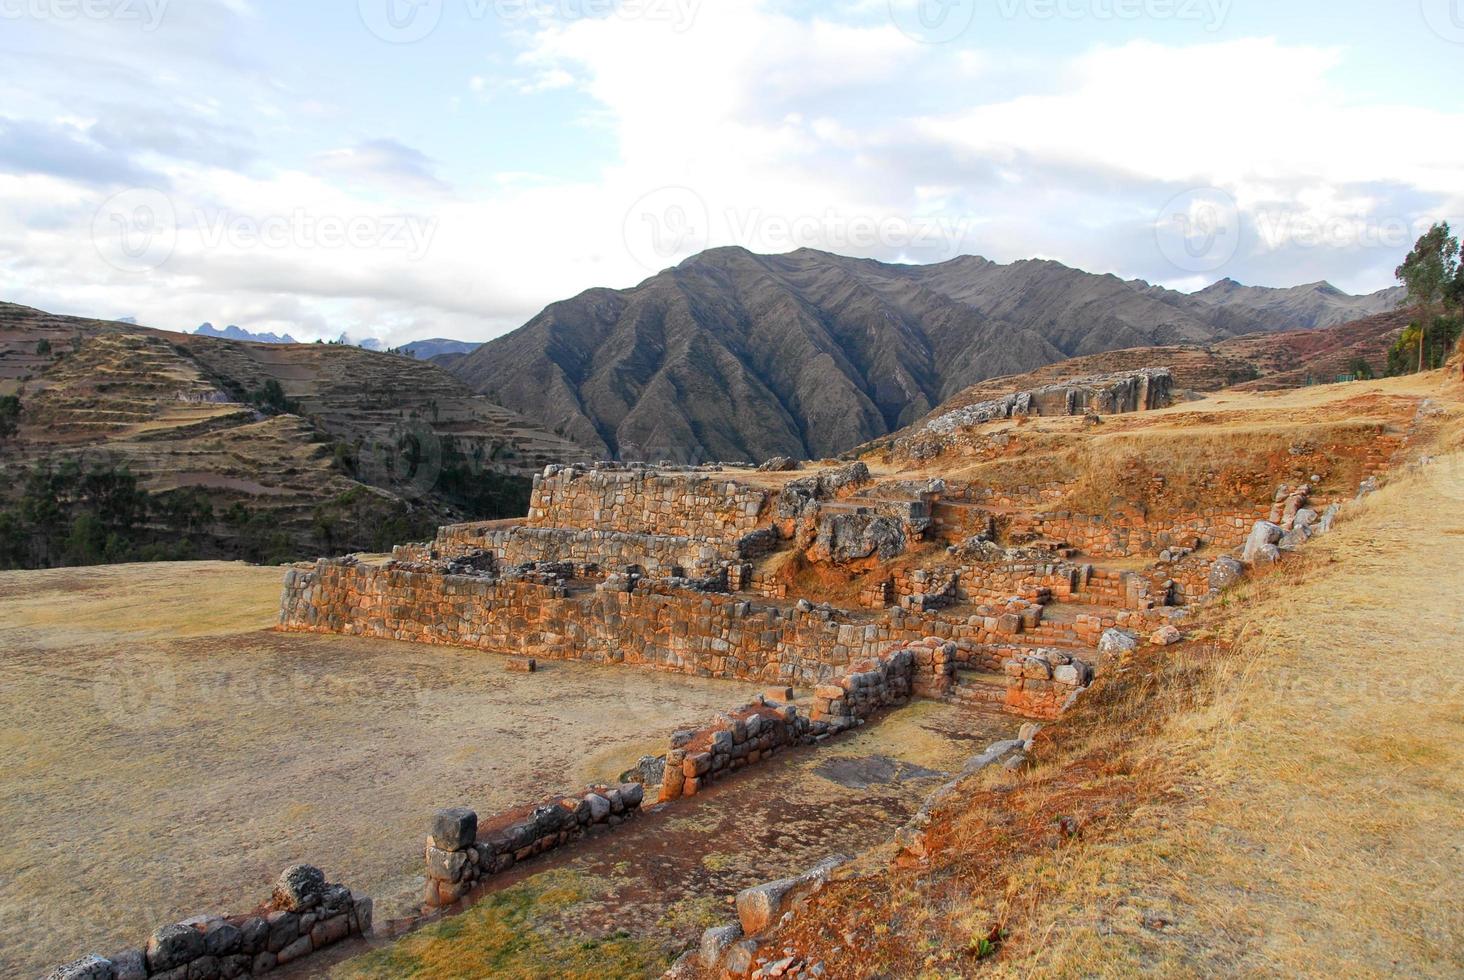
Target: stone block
<point>295,950</point>
<point>263,963</point>
<point>522,665</point>
<point>253,935</point>
<point>204,968</point>
<point>222,938</point>
<point>454,828</point>
<point>173,946</point>
<point>284,928</point>
<point>130,964</point>
<point>330,931</point>
<point>715,942</point>
<point>298,888</point>
<point>446,865</point>
<point>87,968</point>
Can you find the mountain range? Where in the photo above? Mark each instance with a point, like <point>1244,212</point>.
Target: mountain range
<point>738,356</point>
<point>232,332</point>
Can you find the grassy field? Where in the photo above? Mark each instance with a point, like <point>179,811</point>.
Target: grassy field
<point>167,754</point>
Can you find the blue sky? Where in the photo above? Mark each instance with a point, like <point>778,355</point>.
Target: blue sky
<point>413,168</point>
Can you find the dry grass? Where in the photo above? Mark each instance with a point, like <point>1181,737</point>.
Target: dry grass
<point>1323,771</point>
<point>166,755</point>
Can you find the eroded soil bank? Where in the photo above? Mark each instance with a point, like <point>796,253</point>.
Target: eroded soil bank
<point>167,755</point>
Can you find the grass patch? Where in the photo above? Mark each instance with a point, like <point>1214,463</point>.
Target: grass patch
<point>515,933</point>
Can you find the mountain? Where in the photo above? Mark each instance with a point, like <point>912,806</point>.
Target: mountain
<point>232,332</point>
<point>426,350</point>
<point>738,356</point>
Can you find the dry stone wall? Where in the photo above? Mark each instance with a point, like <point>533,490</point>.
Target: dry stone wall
<point>303,916</point>
<point>639,501</point>
<point>708,635</point>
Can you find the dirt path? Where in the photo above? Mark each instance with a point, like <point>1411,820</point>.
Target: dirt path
<point>626,904</point>
<point>166,754</point>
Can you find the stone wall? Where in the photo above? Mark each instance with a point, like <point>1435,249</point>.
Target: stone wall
<point>708,635</point>
<point>751,734</point>
<point>1132,391</point>
<point>639,501</point>
<point>461,854</point>
<point>303,916</point>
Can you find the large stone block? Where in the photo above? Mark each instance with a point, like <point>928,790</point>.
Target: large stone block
<point>454,828</point>
<point>299,888</point>
<point>173,946</point>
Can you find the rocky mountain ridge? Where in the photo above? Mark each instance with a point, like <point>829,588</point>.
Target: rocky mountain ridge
<point>734,355</point>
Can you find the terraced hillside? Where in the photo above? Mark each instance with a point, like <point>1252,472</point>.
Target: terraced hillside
<point>301,447</point>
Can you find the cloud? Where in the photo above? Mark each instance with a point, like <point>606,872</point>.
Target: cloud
<point>60,149</point>
<point>745,125</point>
<point>385,162</point>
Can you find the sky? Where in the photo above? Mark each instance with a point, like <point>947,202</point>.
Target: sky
<point>403,169</point>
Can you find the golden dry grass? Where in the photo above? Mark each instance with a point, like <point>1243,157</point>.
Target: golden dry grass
<point>1322,770</point>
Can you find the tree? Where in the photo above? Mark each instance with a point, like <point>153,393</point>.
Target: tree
<point>43,348</point>
<point>1430,272</point>
<point>9,416</point>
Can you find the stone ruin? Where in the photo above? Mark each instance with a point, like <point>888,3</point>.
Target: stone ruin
<point>1107,394</point>
<point>304,915</point>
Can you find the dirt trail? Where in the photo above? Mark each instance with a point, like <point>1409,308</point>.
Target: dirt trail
<point>166,754</point>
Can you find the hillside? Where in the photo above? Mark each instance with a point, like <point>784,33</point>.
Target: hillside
<point>283,449</point>
<point>733,355</point>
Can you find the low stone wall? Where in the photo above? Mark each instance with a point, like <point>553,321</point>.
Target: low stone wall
<point>303,916</point>
<point>640,501</point>
<point>745,737</point>
<point>461,854</point>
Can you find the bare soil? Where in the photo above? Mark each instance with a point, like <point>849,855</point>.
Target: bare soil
<point>167,754</point>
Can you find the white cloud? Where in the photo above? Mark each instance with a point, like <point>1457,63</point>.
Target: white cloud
<point>769,131</point>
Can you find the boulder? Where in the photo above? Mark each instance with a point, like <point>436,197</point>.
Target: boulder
<point>1166,636</point>
<point>1224,573</point>
<point>173,946</point>
<point>86,968</point>
<point>715,941</point>
<point>1262,534</point>
<point>129,965</point>
<point>1115,643</point>
<point>778,464</point>
<point>299,888</point>
<point>761,906</point>
<point>454,828</point>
